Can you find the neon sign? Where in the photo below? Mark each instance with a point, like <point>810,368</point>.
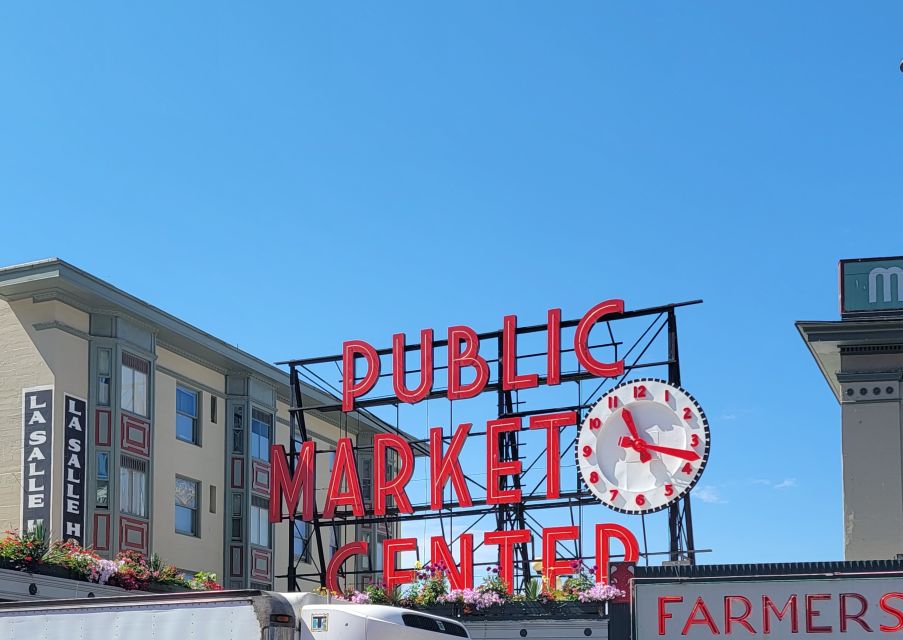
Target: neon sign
<point>294,495</point>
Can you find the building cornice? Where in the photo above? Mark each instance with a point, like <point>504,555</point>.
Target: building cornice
<point>62,326</point>
<point>191,356</point>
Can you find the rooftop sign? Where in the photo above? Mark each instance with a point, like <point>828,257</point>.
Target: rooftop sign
<point>871,287</point>
<point>641,445</point>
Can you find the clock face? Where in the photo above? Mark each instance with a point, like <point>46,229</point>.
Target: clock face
<point>642,446</point>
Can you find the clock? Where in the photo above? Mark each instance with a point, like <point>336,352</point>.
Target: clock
<point>642,446</point>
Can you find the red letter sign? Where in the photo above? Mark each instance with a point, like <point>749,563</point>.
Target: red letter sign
<point>444,467</point>
<point>344,469</point>
<point>338,559</point>
<point>553,422</point>
<point>663,615</point>
<point>440,553</point>
<point>391,548</point>
<point>495,467</point>
<point>551,565</point>
<point>383,486</point>
<point>426,367</point>
<point>553,350</point>
<point>510,379</point>
<point>468,357</point>
<point>351,389</point>
<point>581,340</point>
<point>300,486</point>
<point>506,541</point>
<point>604,534</point>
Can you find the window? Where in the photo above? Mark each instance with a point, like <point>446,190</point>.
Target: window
<point>102,496</point>
<point>104,367</point>
<point>134,384</point>
<point>366,467</point>
<point>366,565</point>
<point>260,522</point>
<point>261,426</point>
<point>187,506</point>
<point>319,622</point>
<point>187,415</point>
<point>238,430</point>
<point>133,486</point>
<point>379,549</point>
<point>301,539</point>
<point>213,409</point>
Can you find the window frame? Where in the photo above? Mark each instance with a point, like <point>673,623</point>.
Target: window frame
<point>196,430</point>
<point>123,366</point>
<point>196,521</point>
<point>254,436</point>
<point>254,523</point>
<point>104,377</point>
<point>128,483</point>
<point>102,479</point>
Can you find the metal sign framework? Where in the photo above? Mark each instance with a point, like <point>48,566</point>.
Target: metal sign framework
<point>662,320</point>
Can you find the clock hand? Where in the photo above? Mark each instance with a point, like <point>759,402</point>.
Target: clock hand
<point>692,456</point>
<point>637,445</point>
<point>631,426</point>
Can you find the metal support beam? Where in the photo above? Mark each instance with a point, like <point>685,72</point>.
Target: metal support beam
<point>296,416</point>
<point>680,520</point>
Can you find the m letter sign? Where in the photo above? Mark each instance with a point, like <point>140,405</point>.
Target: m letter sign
<point>871,287</point>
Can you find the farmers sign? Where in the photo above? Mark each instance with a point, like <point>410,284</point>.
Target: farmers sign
<point>823,607</point>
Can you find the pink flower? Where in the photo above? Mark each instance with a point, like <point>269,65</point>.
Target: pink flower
<point>600,593</point>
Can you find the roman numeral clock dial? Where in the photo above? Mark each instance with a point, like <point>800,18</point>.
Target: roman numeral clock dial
<point>642,446</point>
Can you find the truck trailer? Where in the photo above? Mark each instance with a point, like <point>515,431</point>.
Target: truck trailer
<point>219,615</point>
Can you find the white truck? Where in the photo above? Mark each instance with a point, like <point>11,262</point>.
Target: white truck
<point>219,615</point>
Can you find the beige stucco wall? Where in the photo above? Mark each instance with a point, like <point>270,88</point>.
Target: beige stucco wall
<point>202,463</point>
<point>191,371</point>
<point>30,358</point>
<point>872,480</point>
<point>872,446</point>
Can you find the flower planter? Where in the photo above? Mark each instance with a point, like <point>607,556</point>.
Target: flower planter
<point>524,610</point>
<point>446,610</point>
<point>57,571</point>
<point>166,588</point>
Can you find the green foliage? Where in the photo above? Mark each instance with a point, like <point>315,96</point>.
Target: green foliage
<point>532,590</point>
<point>203,581</point>
<point>130,569</point>
<point>72,556</point>
<point>429,586</point>
<point>493,583</point>
<point>24,551</point>
<point>583,579</point>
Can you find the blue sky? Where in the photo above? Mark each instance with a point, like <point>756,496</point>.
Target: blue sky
<point>287,176</point>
